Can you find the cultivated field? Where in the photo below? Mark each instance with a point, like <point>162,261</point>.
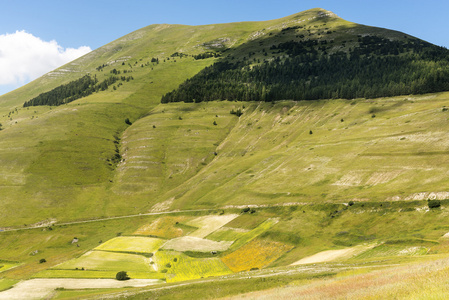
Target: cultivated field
<point>132,244</point>
<point>166,227</point>
<point>227,234</point>
<point>190,243</point>
<point>180,267</point>
<point>262,242</point>
<point>108,261</point>
<point>209,224</point>
<point>250,235</point>
<point>44,288</point>
<point>257,254</point>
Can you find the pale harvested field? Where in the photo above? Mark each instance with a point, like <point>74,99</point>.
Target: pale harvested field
<point>331,255</point>
<point>209,224</point>
<point>43,288</point>
<point>190,243</point>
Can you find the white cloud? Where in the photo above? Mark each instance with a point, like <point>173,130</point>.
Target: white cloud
<point>24,57</point>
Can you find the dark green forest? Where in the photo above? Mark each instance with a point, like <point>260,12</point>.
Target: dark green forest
<point>74,90</point>
<point>303,70</point>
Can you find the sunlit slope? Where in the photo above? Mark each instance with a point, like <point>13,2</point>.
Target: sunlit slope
<point>376,150</point>
<point>58,162</point>
<point>170,146</point>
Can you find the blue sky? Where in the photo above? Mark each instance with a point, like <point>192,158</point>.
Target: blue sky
<point>75,27</point>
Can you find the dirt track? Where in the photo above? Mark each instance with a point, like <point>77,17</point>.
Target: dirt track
<point>104,219</point>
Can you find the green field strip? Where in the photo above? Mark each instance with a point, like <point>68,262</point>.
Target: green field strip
<point>6,283</point>
<point>226,234</point>
<point>246,221</point>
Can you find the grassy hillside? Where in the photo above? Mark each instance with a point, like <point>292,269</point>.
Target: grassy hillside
<point>64,162</point>
<point>295,178</point>
<point>308,152</point>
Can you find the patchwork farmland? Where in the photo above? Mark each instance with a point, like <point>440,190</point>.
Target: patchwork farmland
<point>150,253</point>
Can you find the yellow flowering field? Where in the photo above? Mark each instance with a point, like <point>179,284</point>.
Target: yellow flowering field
<point>137,244</point>
<point>255,254</point>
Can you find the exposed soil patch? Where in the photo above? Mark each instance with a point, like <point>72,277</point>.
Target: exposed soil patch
<point>43,288</point>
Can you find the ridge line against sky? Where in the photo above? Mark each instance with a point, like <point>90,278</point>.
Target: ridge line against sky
<point>66,30</point>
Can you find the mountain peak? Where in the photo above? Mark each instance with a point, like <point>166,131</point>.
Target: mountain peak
<point>315,13</point>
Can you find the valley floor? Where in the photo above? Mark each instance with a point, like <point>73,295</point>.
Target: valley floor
<point>248,253</point>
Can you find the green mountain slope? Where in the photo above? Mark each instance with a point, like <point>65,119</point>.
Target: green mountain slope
<point>81,160</point>
<point>292,195</point>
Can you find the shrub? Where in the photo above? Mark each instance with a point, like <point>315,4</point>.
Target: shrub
<point>122,275</point>
<point>245,210</point>
<point>127,121</point>
<point>351,203</point>
<point>433,203</point>
<point>42,260</point>
<point>237,112</point>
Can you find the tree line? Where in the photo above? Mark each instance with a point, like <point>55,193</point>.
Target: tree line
<point>377,67</point>
<point>74,90</point>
